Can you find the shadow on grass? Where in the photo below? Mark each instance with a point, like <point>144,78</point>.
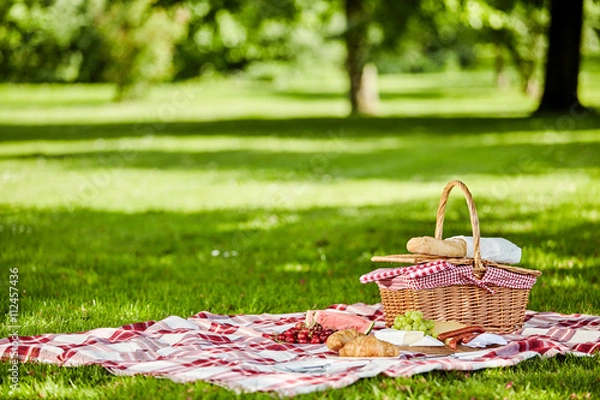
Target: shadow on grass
<point>314,128</point>
<point>395,163</point>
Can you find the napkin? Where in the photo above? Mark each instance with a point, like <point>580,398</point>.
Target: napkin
<point>486,339</point>
<point>498,250</point>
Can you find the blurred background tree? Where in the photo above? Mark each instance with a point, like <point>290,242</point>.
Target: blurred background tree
<point>511,29</point>
<point>46,42</point>
<point>138,39</point>
<point>135,43</point>
<point>129,43</point>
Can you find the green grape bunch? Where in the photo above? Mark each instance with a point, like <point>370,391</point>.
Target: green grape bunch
<point>414,321</point>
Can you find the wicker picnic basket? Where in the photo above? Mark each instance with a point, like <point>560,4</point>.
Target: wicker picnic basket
<point>500,312</point>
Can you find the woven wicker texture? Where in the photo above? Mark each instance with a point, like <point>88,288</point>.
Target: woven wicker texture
<point>501,312</point>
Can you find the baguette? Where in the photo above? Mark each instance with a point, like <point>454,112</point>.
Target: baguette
<point>437,247</point>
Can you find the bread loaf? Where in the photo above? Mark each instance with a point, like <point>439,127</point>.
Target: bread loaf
<point>454,247</point>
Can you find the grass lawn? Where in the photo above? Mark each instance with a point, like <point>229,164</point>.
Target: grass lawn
<point>242,197</point>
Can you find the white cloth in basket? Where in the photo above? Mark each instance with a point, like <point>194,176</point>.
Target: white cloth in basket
<point>498,250</point>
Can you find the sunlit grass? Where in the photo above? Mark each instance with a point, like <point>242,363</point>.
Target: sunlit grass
<point>413,95</point>
<point>116,213</point>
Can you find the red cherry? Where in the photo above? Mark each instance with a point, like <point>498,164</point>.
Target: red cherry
<point>315,340</point>
<point>281,337</point>
<point>300,325</point>
<point>303,340</point>
<point>290,339</point>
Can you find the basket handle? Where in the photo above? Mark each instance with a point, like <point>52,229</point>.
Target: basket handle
<point>478,267</point>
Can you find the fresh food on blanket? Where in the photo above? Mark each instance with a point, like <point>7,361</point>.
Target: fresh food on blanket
<point>320,324</point>
<point>338,320</point>
<point>446,326</point>
<point>498,250</point>
<point>419,339</point>
<point>411,327</point>
<point>348,334</point>
<point>413,320</point>
<point>301,333</point>
<point>460,336</point>
<point>350,342</point>
<point>389,342</point>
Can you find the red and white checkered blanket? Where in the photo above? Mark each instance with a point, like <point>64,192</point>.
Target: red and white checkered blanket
<point>236,352</point>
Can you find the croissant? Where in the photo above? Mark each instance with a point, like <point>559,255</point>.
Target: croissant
<point>339,339</point>
<point>369,346</point>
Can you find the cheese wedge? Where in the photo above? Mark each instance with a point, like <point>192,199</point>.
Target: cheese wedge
<point>446,326</point>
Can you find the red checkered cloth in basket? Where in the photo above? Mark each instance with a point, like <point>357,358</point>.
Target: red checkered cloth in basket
<point>441,273</point>
<point>235,351</point>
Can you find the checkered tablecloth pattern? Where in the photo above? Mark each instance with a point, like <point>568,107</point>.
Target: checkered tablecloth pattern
<point>442,273</point>
<point>235,351</point>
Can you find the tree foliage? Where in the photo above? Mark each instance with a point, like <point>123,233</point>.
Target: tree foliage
<point>261,35</point>
<point>132,43</point>
<point>126,42</point>
<point>43,42</point>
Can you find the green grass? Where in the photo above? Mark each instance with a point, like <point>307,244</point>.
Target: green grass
<point>113,212</point>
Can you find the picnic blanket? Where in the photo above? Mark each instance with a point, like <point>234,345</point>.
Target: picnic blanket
<point>236,351</point>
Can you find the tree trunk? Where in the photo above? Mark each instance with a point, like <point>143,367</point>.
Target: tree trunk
<point>562,63</point>
<point>362,94</point>
<point>501,78</point>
